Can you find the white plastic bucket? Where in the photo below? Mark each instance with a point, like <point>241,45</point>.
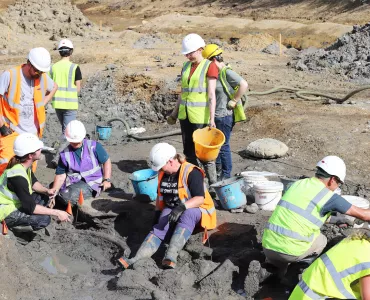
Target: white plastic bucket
<point>268,194</point>
<point>251,178</point>
<point>357,201</point>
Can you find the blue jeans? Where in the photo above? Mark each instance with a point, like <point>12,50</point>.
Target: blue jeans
<point>225,124</point>
<point>65,116</point>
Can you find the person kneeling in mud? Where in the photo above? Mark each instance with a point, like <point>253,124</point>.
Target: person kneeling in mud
<point>183,202</point>
<point>21,203</point>
<point>84,165</point>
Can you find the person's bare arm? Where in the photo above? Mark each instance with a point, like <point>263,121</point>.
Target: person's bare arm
<point>365,287</point>
<point>107,173</point>
<point>49,95</point>
<point>61,215</point>
<point>211,90</point>
<point>194,202</point>
<point>243,87</point>
<point>175,111</point>
<point>359,213</point>
<point>58,181</point>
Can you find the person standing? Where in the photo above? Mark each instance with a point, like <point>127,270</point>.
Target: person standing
<point>21,201</point>
<point>65,101</point>
<point>195,107</point>
<point>24,92</point>
<point>230,87</point>
<point>183,202</point>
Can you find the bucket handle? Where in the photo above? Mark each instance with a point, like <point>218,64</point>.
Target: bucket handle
<point>270,200</point>
<point>149,178</point>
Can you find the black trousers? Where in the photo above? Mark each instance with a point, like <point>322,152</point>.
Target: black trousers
<point>187,130</point>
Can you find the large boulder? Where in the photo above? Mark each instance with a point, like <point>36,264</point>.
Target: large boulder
<point>267,148</point>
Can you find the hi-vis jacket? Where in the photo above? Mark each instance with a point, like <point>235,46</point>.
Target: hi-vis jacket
<point>209,218</point>
<point>194,104</point>
<point>10,101</point>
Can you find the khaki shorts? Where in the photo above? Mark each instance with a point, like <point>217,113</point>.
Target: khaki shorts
<point>282,261</point>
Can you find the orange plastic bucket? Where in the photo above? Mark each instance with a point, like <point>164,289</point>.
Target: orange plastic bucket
<point>208,142</point>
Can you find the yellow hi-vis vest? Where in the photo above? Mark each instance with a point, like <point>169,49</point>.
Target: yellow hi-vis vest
<point>9,201</point>
<point>336,273</point>
<point>194,97</point>
<point>296,221</point>
<point>239,114</point>
<point>208,210</point>
<point>63,73</point>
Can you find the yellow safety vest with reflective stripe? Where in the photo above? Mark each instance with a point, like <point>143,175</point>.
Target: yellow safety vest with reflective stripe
<point>194,104</point>
<point>336,273</point>
<point>10,101</point>
<point>9,201</point>
<point>239,114</point>
<point>209,217</point>
<point>296,221</point>
<point>63,73</point>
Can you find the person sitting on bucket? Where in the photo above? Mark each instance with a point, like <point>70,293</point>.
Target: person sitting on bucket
<point>83,165</point>
<point>341,273</point>
<point>21,203</point>
<point>293,231</point>
<point>182,203</point>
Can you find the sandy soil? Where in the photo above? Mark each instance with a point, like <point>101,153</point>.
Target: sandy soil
<point>144,48</point>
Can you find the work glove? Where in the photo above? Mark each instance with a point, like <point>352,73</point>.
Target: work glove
<point>157,214</point>
<point>340,219</point>
<point>231,104</point>
<point>4,130</point>
<point>176,213</point>
<point>171,120</point>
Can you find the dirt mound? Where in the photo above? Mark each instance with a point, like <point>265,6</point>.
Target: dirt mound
<point>137,99</point>
<point>55,18</point>
<point>348,56</point>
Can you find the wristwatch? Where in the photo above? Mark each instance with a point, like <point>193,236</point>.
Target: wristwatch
<point>106,179</point>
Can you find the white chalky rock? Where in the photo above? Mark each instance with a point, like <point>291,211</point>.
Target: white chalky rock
<point>267,148</point>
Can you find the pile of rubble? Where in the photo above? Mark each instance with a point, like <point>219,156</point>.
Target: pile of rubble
<point>56,18</point>
<point>101,101</point>
<point>348,56</point>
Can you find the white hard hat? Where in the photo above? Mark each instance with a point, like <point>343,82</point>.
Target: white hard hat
<point>75,132</point>
<point>160,154</point>
<point>333,165</point>
<point>40,59</point>
<point>26,143</point>
<point>191,43</point>
<point>65,43</point>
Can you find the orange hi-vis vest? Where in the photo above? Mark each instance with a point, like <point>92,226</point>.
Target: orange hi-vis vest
<point>209,217</point>
<point>10,101</point>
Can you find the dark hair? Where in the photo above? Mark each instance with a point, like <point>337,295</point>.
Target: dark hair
<point>219,58</point>
<point>65,52</point>
<point>16,160</point>
<point>320,173</point>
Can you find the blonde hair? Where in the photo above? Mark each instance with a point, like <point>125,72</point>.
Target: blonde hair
<point>360,234</point>
<point>180,158</point>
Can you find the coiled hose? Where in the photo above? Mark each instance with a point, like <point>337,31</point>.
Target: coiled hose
<point>303,94</point>
<point>143,138</point>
